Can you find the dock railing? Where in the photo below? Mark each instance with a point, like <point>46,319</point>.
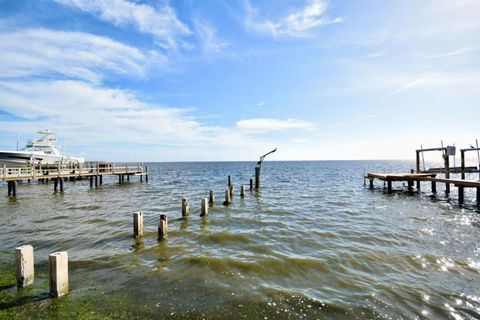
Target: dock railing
<point>42,171</point>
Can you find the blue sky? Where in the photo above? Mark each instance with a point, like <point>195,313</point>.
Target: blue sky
<point>189,80</point>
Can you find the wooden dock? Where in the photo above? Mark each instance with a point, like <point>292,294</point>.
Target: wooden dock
<point>412,178</point>
<point>60,172</point>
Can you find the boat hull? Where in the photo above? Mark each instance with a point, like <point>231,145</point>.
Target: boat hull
<point>25,157</point>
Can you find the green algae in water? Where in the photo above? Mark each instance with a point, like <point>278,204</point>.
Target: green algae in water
<point>34,302</point>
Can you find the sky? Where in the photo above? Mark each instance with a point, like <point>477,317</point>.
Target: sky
<point>228,80</point>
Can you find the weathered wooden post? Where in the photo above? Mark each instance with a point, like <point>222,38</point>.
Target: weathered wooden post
<point>185,207</point>
<point>212,197</point>
<point>462,157</point>
<point>96,181</point>
<point>418,161</point>
<point>61,184</point>
<point>478,196</point>
<point>58,263</point>
<point>227,197</point>
<point>242,191</point>
<point>137,224</point>
<point>91,181</point>
<point>163,227</point>
<point>251,184</point>
<point>128,178</point>
<point>55,184</point>
<point>14,188</point>
<point>461,195</point>
<point>447,172</point>
<point>9,184</point>
<point>371,183</point>
<point>434,187</point>
<point>257,177</point>
<point>229,180</point>
<point>101,179</point>
<point>389,186</point>
<point>204,207</point>
<point>231,190</point>
<point>24,265</point>
<point>146,174</point>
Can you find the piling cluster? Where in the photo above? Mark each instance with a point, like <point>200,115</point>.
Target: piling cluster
<point>58,269</point>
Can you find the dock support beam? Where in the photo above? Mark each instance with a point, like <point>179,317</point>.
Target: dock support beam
<point>91,181</point>
<point>371,184</point>
<point>96,181</point>
<point>251,184</point>
<point>24,265</point>
<point>478,196</point>
<point>461,195</point>
<point>101,179</point>
<point>58,262</point>
<point>434,187</point>
<point>389,186</point>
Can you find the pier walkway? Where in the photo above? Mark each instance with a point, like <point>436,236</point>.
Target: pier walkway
<point>60,172</point>
<point>412,178</point>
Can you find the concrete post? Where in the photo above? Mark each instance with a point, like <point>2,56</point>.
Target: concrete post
<point>24,265</point>
<point>137,224</point>
<point>242,191</point>
<point>185,207</point>
<point>204,207</point>
<point>58,262</point>
<point>212,197</point>
<point>163,227</point>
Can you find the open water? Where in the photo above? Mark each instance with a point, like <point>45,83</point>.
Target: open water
<point>312,243</point>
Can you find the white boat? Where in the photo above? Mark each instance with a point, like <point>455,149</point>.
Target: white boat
<point>43,150</point>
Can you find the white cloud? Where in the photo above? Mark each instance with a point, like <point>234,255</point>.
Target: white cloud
<point>161,22</point>
<point>267,124</point>
<point>207,35</point>
<point>297,23</point>
<point>98,113</point>
<point>48,53</point>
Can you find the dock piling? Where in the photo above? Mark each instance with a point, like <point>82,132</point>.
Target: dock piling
<point>137,224</point>
<point>58,263</point>
<point>229,180</point>
<point>257,178</point>
<point>204,207</point>
<point>251,184</point>
<point>185,207</point>
<point>163,227</point>
<point>389,186</point>
<point>24,265</point>
<point>242,191</point>
<point>434,187</point>
<point>231,188</point>
<point>461,195</point>
<point>227,197</point>
<point>211,197</point>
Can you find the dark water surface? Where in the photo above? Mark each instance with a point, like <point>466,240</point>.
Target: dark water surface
<point>313,243</point>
